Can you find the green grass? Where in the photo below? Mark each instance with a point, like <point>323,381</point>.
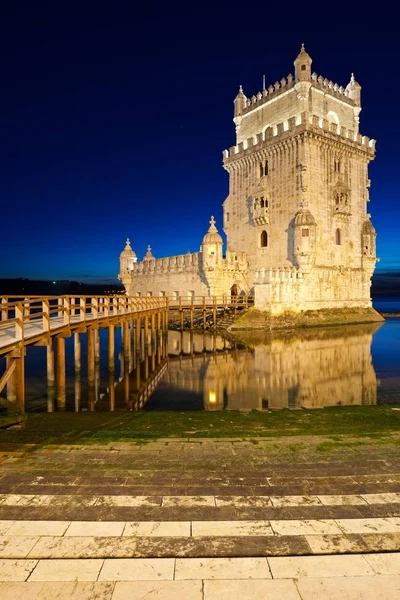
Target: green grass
<point>376,422</point>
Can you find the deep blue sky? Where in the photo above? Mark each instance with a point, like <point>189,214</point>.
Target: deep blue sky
<point>113,119</point>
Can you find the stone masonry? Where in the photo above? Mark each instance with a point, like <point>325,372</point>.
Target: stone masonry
<point>298,233</point>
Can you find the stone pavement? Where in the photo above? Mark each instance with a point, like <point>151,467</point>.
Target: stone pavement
<point>203,519</point>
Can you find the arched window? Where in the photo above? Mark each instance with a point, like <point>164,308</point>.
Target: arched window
<point>266,168</point>
<point>264,239</point>
<point>338,237</point>
<point>262,202</point>
<point>261,169</point>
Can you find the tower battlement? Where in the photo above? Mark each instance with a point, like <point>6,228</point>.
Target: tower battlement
<point>297,125</point>
<point>285,84</point>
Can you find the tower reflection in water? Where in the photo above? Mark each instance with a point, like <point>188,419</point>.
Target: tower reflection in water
<point>309,368</point>
<point>300,369</point>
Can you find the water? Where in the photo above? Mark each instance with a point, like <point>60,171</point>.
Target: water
<point>386,303</point>
<point>309,368</point>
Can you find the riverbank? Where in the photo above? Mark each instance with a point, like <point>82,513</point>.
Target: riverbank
<point>379,422</point>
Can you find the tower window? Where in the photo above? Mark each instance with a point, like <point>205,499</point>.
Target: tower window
<point>338,237</point>
<point>305,233</point>
<point>303,67</point>
<point>262,202</point>
<point>264,239</point>
<point>261,169</point>
<point>266,168</point>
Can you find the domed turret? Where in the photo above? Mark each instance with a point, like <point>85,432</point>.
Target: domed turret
<point>239,102</point>
<point>354,90</point>
<point>211,246</point>
<point>304,226</point>
<point>148,255</point>
<point>302,65</point>
<point>368,243</point>
<point>127,257</point>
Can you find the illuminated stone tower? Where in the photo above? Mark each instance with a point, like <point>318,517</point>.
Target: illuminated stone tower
<point>298,193</point>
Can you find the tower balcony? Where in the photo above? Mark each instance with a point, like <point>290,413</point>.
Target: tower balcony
<point>261,215</point>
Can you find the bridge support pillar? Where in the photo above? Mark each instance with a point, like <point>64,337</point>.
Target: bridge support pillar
<point>16,381</point>
<point>11,383</point>
<point>51,390</point>
<point>77,352</point>
<point>138,327</point>
<point>111,348</point>
<point>97,345</point>
<point>91,368</point>
<point>60,372</point>
<point>146,331</point>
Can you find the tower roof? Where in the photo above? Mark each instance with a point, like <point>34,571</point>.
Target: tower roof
<point>127,251</point>
<point>148,254</point>
<point>212,236</point>
<point>304,217</point>
<point>303,55</point>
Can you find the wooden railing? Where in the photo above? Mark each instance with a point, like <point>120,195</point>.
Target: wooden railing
<point>224,301</point>
<point>20,311</point>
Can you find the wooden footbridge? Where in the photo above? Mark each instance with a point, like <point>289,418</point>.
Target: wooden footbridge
<point>38,321</point>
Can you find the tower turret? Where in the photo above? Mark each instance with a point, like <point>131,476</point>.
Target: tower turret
<point>149,254</point>
<point>302,65</point>
<point>354,90</point>
<point>239,103</point>
<point>211,247</point>
<point>126,260</point>
<point>304,239</point>
<point>368,241</point>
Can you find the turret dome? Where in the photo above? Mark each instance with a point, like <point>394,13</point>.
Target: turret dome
<point>212,236</point>
<point>304,218</point>
<point>127,252</point>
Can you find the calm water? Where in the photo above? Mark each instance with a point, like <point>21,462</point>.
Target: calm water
<point>352,365</point>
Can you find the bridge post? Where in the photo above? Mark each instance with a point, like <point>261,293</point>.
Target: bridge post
<point>146,331</point>
<point>78,391</point>
<point>90,357</point>
<point>50,376</point>
<point>60,372</point>
<point>215,312</point>
<point>125,341</point>
<point>181,319</point>
<point>138,326</point>
<point>111,389</point>
<point>111,348</point>
<point>204,313</point>
<point>77,352</point>
<point>11,383</point>
<point>97,346</point>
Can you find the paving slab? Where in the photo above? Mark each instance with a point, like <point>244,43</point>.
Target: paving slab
<point>300,567</point>
<point>157,529</point>
<point>33,528</point>
<point>66,570</point>
<point>350,588</point>
<point>16,570</point>
<point>384,564</point>
<point>57,590</point>
<point>137,569</point>
<point>250,589</point>
<point>164,590</point>
<point>221,568</point>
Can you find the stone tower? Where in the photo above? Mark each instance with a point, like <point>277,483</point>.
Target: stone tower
<point>298,193</point>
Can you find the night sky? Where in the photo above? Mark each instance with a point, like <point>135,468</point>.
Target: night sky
<point>114,118</point>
